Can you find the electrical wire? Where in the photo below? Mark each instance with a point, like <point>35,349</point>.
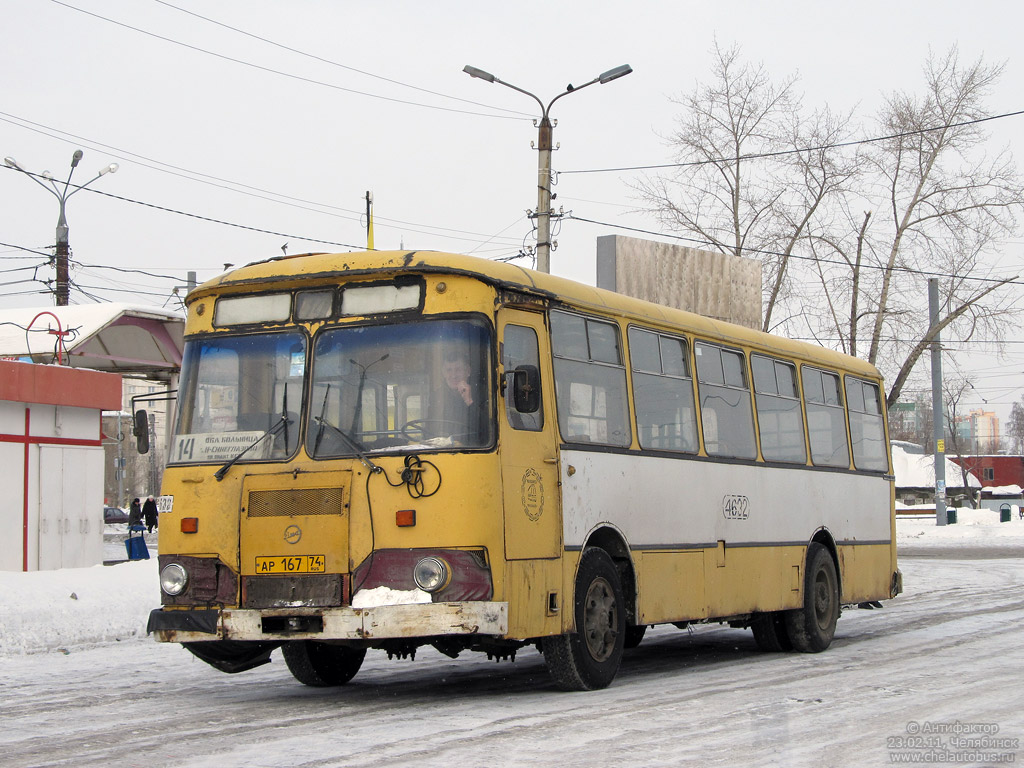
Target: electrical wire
<point>23,248</point>
<point>781,153</point>
<point>229,185</point>
<point>322,60</point>
<point>281,73</point>
<point>216,221</point>
<point>910,270</point>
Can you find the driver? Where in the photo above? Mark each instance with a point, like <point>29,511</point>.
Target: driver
<point>462,406</point>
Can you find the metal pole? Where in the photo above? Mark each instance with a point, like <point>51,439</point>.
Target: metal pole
<point>120,462</point>
<point>544,147</point>
<point>63,249</point>
<point>938,417</point>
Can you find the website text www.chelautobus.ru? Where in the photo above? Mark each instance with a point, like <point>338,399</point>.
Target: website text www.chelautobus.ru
<point>952,743</point>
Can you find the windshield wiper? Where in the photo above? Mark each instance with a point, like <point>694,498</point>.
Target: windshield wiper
<point>349,440</point>
<point>281,424</point>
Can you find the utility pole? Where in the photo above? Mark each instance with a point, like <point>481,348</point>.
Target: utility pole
<point>544,146</point>
<point>938,417</point>
<point>63,247</point>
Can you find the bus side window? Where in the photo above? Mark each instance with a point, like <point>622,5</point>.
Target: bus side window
<point>725,402</point>
<point>662,392</point>
<point>778,410</point>
<point>590,380</point>
<point>519,351</point>
<point>866,428</point>
<point>826,422</point>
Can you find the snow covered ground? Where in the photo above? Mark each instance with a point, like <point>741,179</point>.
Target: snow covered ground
<point>80,685</point>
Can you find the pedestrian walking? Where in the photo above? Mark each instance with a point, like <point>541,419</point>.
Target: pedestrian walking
<point>135,513</point>
<point>149,511</point>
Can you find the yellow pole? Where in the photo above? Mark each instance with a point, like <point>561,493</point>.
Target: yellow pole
<point>369,221</point>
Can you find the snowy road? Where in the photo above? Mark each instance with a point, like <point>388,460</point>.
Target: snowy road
<point>947,651</point>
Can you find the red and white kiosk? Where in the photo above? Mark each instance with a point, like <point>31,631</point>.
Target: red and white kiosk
<point>51,464</point>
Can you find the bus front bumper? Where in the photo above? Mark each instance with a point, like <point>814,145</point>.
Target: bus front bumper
<point>369,624</point>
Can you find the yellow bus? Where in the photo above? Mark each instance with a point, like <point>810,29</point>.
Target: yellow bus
<point>388,450</point>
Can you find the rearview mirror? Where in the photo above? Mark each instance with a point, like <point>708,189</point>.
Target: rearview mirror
<point>526,388</point>
<point>141,431</point>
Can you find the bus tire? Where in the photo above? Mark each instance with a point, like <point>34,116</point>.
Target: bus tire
<point>321,665</point>
<point>811,627</point>
<point>770,632</point>
<point>588,659</point>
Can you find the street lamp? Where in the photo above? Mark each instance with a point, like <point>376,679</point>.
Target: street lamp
<point>545,130</point>
<point>62,195</point>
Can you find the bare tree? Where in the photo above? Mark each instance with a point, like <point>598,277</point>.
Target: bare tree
<point>930,200</point>
<point>1015,428</point>
<point>954,392</point>
<point>947,204</point>
<point>741,187</point>
<point>758,178</point>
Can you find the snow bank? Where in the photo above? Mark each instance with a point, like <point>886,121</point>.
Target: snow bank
<point>974,528</point>
<point>917,470</point>
<point>76,607</point>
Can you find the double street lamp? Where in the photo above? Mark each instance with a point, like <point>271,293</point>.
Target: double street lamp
<point>62,195</point>
<point>545,129</point>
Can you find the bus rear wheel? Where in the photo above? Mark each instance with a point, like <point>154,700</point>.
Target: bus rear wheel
<point>321,665</point>
<point>811,627</point>
<point>588,659</point>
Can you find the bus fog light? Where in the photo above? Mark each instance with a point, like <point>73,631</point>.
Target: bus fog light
<point>431,574</point>
<point>173,579</point>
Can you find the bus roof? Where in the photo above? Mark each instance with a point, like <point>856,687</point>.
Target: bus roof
<point>290,271</point>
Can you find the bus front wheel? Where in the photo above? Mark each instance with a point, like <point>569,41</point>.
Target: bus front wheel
<point>811,627</point>
<point>321,665</point>
<point>588,658</point>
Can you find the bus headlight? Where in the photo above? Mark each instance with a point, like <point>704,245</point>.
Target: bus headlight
<point>431,574</point>
<point>173,579</point>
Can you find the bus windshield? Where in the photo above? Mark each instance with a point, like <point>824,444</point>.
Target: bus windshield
<point>233,390</point>
<point>415,385</point>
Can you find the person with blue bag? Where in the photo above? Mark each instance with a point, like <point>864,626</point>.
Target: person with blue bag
<point>136,545</point>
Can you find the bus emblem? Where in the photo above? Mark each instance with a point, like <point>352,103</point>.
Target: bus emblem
<point>292,534</point>
<point>533,494</point>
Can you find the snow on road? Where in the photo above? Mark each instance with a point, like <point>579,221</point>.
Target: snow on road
<point>79,684</point>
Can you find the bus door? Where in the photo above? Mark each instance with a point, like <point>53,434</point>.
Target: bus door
<point>293,539</point>
<point>527,439</point>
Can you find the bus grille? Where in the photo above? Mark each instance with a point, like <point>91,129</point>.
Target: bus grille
<point>300,501</point>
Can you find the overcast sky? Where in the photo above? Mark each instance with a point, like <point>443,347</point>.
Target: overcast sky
<point>207,121</point>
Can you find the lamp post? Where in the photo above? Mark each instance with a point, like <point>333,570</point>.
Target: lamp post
<point>62,194</point>
<point>545,131</point>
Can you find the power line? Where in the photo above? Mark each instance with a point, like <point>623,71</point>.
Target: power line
<point>127,270</point>
<point>780,153</point>
<point>923,273</point>
<point>23,248</point>
<point>337,64</point>
<point>227,184</point>
<point>271,70</point>
<point>217,221</point>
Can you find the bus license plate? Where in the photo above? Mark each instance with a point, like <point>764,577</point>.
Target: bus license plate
<point>291,564</point>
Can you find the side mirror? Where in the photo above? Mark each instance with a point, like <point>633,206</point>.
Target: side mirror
<point>526,388</point>
<point>141,431</point>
